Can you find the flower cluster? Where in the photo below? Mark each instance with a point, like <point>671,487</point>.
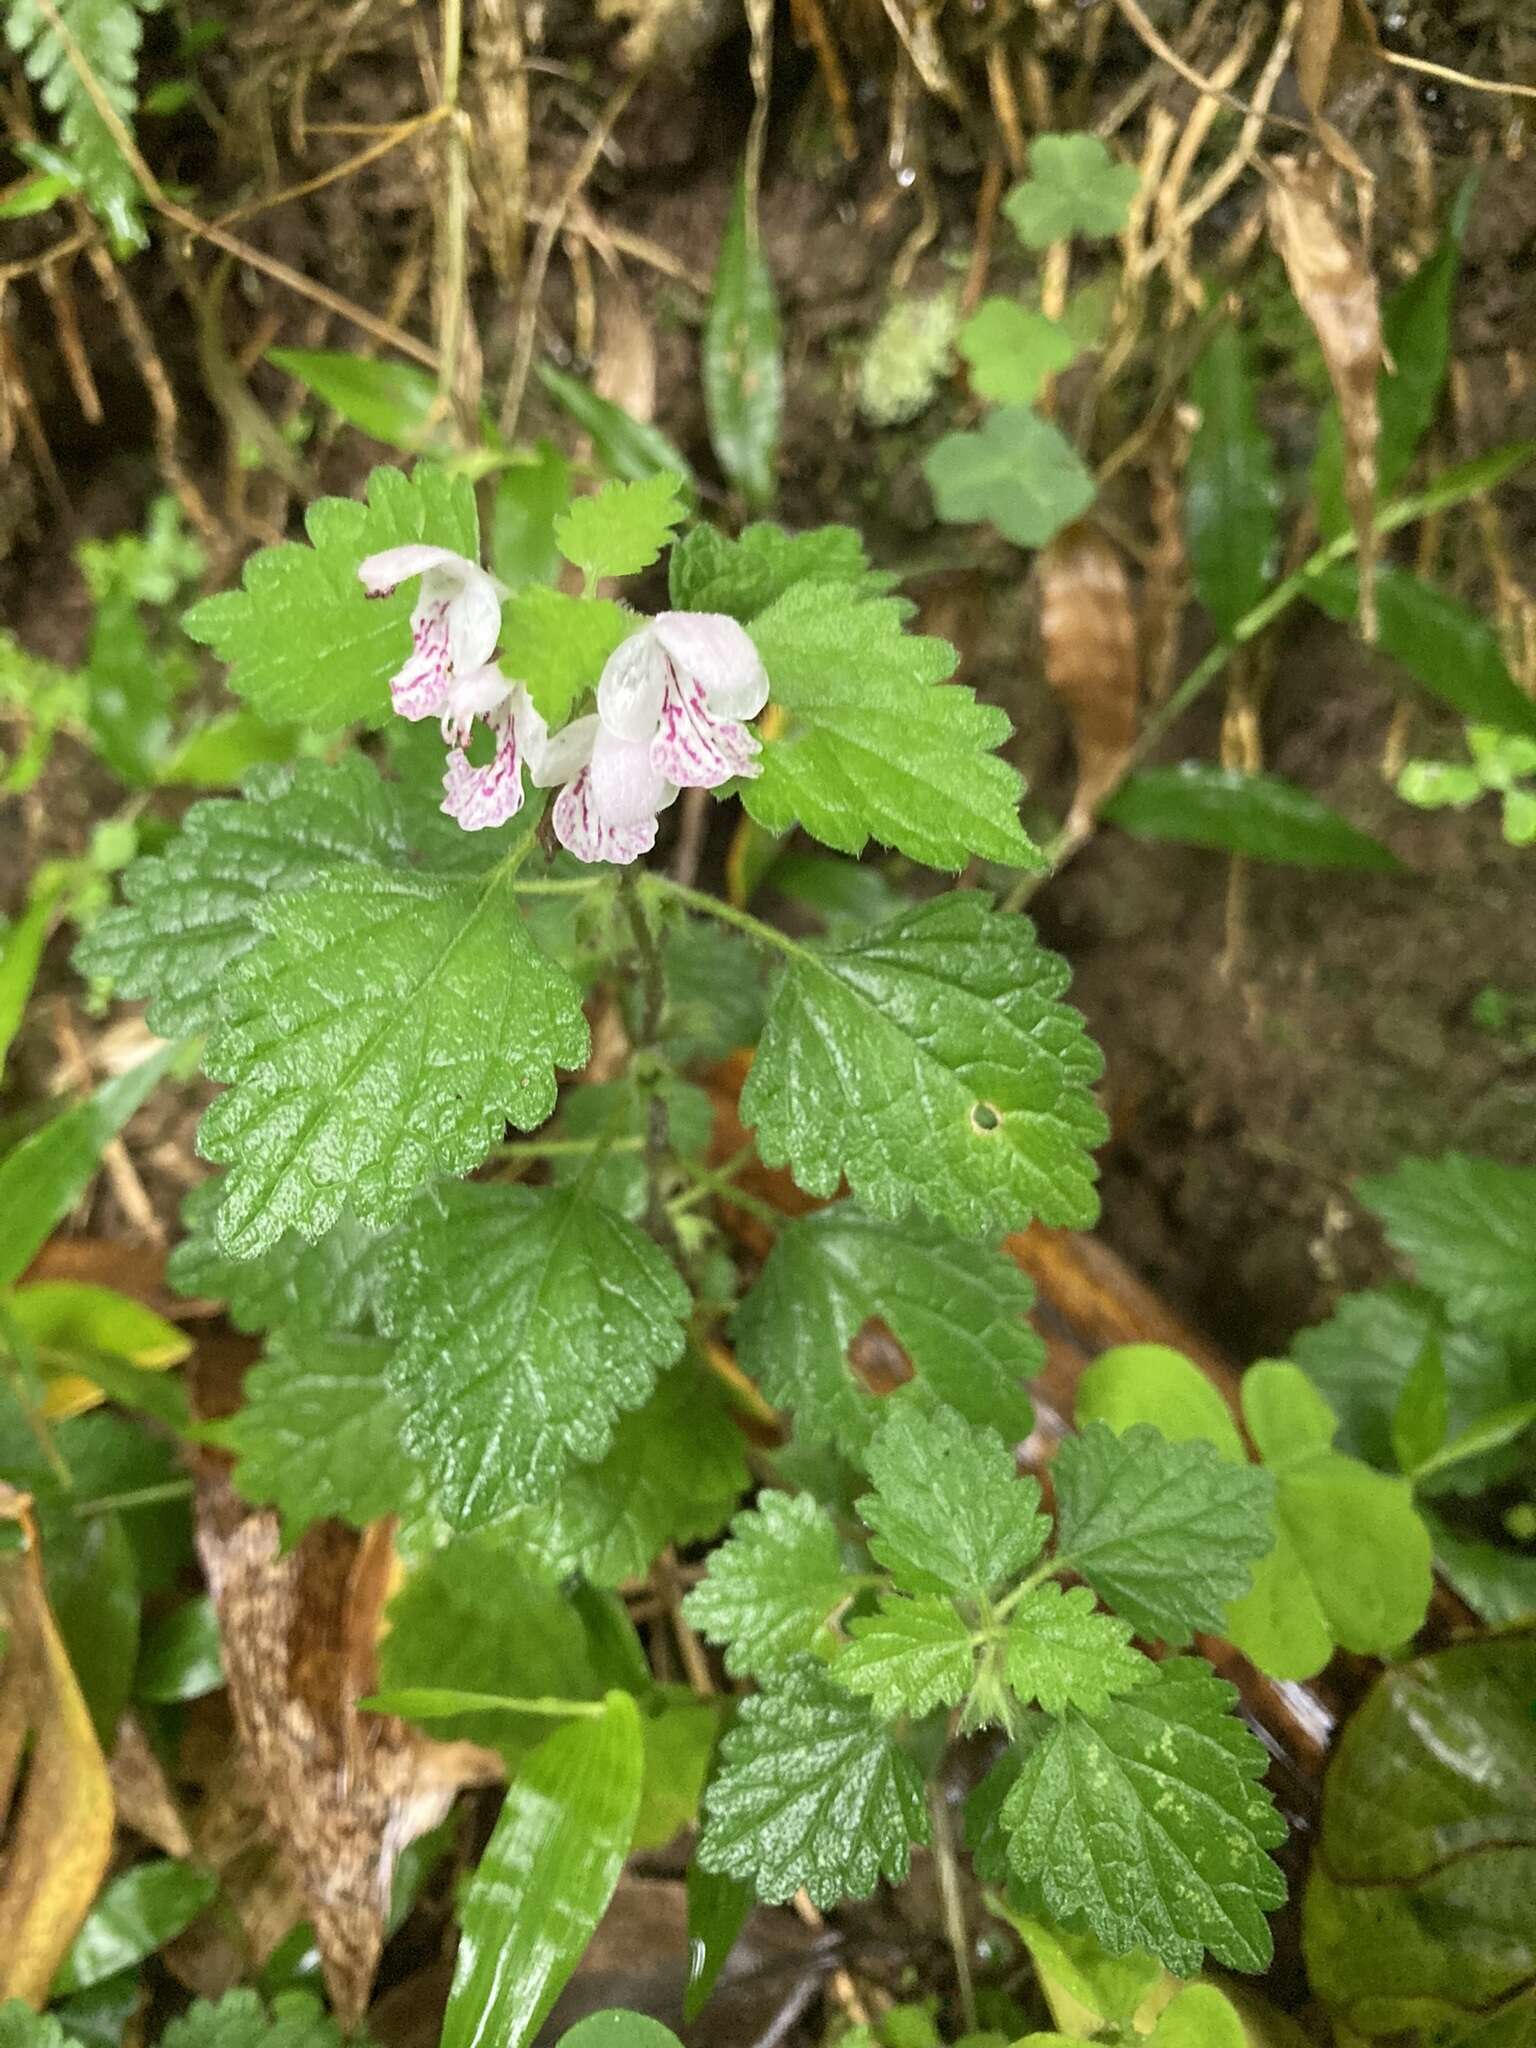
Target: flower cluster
<point>671,706</point>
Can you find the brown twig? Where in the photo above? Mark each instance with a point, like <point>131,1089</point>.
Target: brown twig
<point>1495,85</point>
<point>1160,47</point>
<point>811,29</point>
<point>538,264</point>
<point>398,132</point>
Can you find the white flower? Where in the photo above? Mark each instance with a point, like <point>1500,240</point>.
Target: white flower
<point>454,627</point>
<point>608,807</point>
<point>680,688</point>
<point>481,798</point>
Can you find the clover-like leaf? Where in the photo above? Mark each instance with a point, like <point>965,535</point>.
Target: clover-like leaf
<point>1148,1824</point>
<point>771,1587</point>
<point>389,1027</point>
<point>879,745</point>
<point>811,1794</point>
<point>1166,1533</point>
<point>529,1320</point>
<point>622,528</point>
<point>956,1307</point>
<point>931,1062</point>
<point>949,1512</point>
<point>305,645</point>
<point>909,1657</point>
<point>1016,471</point>
<point>1074,187</point>
<point>1012,350</point>
<point>1063,1653</point>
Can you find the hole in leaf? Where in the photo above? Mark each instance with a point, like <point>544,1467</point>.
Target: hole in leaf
<point>985,1119</point>
<point>877,1356</point>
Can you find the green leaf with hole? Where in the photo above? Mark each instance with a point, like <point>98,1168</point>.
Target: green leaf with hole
<point>743,372</point>
<point>957,1308</point>
<point>1262,816</point>
<point>1016,471</point>
<point>545,1878</point>
<point>1231,491</point>
<point>305,645</point>
<point>1013,351</point>
<point>932,1062</point>
<point>1074,187</point>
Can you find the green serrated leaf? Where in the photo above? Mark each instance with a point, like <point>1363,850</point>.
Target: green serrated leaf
<point>191,913</point>
<point>1016,471</point>
<point>909,1657</point>
<point>811,1793</point>
<point>622,528</point>
<point>1074,187</point>
<point>389,1027</point>
<point>1013,351</point>
<point>743,374</point>
<point>312,1290</point>
<point>771,1587</point>
<point>879,745</point>
<point>1468,1226</point>
<point>557,644</point>
<point>1063,1653</point>
<point>319,1434</point>
<point>710,572</point>
<point>1231,492</point>
<point>1263,816</point>
<point>105,34</point>
<point>1148,1824</point>
<point>1166,1533</point>
<point>932,1062</point>
<point>528,1321</point>
<point>949,1512</point>
<point>240,2020</point>
<point>673,1473</point>
<point>958,1309</point>
<point>306,647</point>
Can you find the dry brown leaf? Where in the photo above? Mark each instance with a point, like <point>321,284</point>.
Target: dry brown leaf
<point>143,1794</point>
<point>1336,289</point>
<point>60,1830</point>
<point>342,1791</point>
<point>1088,634</point>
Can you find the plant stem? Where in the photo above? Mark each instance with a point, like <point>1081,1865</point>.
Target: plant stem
<point>565,1148</point>
<point>138,1497</point>
<point>718,1180</point>
<point>953,1904</point>
<point>727,913</point>
<point>653,984</point>
<point>427,1702</point>
<point>569,886</point>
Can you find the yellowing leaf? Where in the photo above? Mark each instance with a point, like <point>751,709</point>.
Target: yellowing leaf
<point>60,1830</point>
<point>65,1318</point>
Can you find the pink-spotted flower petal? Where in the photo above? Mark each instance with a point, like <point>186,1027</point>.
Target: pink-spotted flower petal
<point>582,829</point>
<point>607,809</point>
<point>683,684</point>
<point>454,627</point>
<point>482,798</point>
